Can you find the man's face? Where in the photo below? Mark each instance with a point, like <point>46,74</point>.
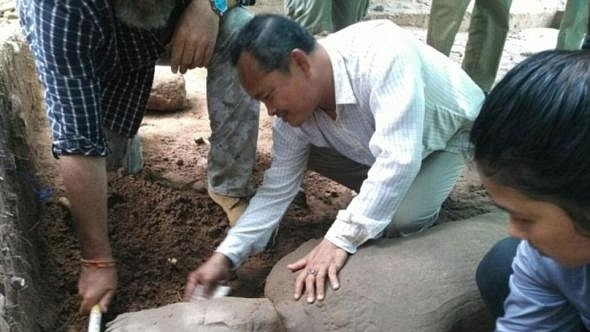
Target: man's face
<point>286,95</point>
<point>545,225</point>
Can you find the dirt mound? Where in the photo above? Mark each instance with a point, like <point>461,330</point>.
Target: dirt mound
<point>162,229</point>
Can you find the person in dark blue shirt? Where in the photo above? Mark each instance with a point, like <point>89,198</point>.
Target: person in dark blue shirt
<point>531,150</point>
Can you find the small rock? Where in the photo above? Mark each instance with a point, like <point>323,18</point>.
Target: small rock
<point>17,283</point>
<point>64,202</point>
<point>168,91</point>
<point>202,140</point>
<point>200,187</point>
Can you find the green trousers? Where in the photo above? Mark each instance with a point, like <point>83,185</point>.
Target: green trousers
<point>233,118</point>
<point>573,25</point>
<point>488,29</point>
<point>422,203</point>
<point>325,15</point>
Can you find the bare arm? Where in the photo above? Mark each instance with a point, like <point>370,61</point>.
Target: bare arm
<point>86,187</point>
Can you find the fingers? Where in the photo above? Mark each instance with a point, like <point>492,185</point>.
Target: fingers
<point>189,55</point>
<point>209,274</point>
<point>320,283</point>
<point>198,56</point>
<point>311,281</point>
<point>89,301</point>
<point>323,262</point>
<point>176,55</point>
<point>207,55</point>
<point>298,265</point>
<point>333,275</point>
<point>299,285</point>
<point>191,284</point>
<point>86,305</point>
<point>106,300</point>
<point>89,298</point>
<point>310,285</point>
<point>194,40</point>
<point>96,285</point>
<point>198,283</point>
<point>300,281</point>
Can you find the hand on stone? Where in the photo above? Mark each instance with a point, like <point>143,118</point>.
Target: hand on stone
<point>324,261</point>
<point>194,39</point>
<point>215,270</point>
<point>96,286</point>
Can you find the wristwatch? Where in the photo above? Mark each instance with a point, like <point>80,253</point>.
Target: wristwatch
<point>220,7</point>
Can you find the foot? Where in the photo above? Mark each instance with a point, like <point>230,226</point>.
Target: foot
<point>233,207</point>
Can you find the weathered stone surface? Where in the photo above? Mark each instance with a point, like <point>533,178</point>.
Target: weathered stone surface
<point>24,303</point>
<point>229,314</point>
<point>168,91</point>
<point>420,283</point>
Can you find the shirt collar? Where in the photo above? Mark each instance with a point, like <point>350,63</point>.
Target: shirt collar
<point>343,92</point>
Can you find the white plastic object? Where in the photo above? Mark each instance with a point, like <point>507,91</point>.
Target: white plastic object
<point>94,319</point>
<point>218,291</point>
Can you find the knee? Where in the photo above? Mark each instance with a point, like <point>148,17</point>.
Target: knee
<point>493,273</point>
<point>406,222</point>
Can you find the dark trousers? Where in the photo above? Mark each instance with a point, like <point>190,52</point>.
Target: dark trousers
<point>493,273</point>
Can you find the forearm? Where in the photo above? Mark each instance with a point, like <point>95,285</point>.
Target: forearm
<point>256,226</point>
<point>86,187</point>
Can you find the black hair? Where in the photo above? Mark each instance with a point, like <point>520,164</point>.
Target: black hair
<point>270,38</point>
<point>533,132</point>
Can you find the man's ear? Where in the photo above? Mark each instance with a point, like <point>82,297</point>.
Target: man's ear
<point>301,60</point>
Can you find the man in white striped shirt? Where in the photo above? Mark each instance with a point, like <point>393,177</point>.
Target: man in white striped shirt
<point>370,107</point>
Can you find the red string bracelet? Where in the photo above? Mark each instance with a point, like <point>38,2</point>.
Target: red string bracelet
<point>99,264</point>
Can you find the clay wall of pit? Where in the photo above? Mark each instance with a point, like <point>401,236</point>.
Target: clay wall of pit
<point>22,290</point>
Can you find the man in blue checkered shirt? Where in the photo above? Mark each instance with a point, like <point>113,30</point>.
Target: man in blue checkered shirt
<point>96,61</point>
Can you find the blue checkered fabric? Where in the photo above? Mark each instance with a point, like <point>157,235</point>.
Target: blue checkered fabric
<point>96,71</point>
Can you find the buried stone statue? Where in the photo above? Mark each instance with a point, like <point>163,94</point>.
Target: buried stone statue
<point>424,283</point>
